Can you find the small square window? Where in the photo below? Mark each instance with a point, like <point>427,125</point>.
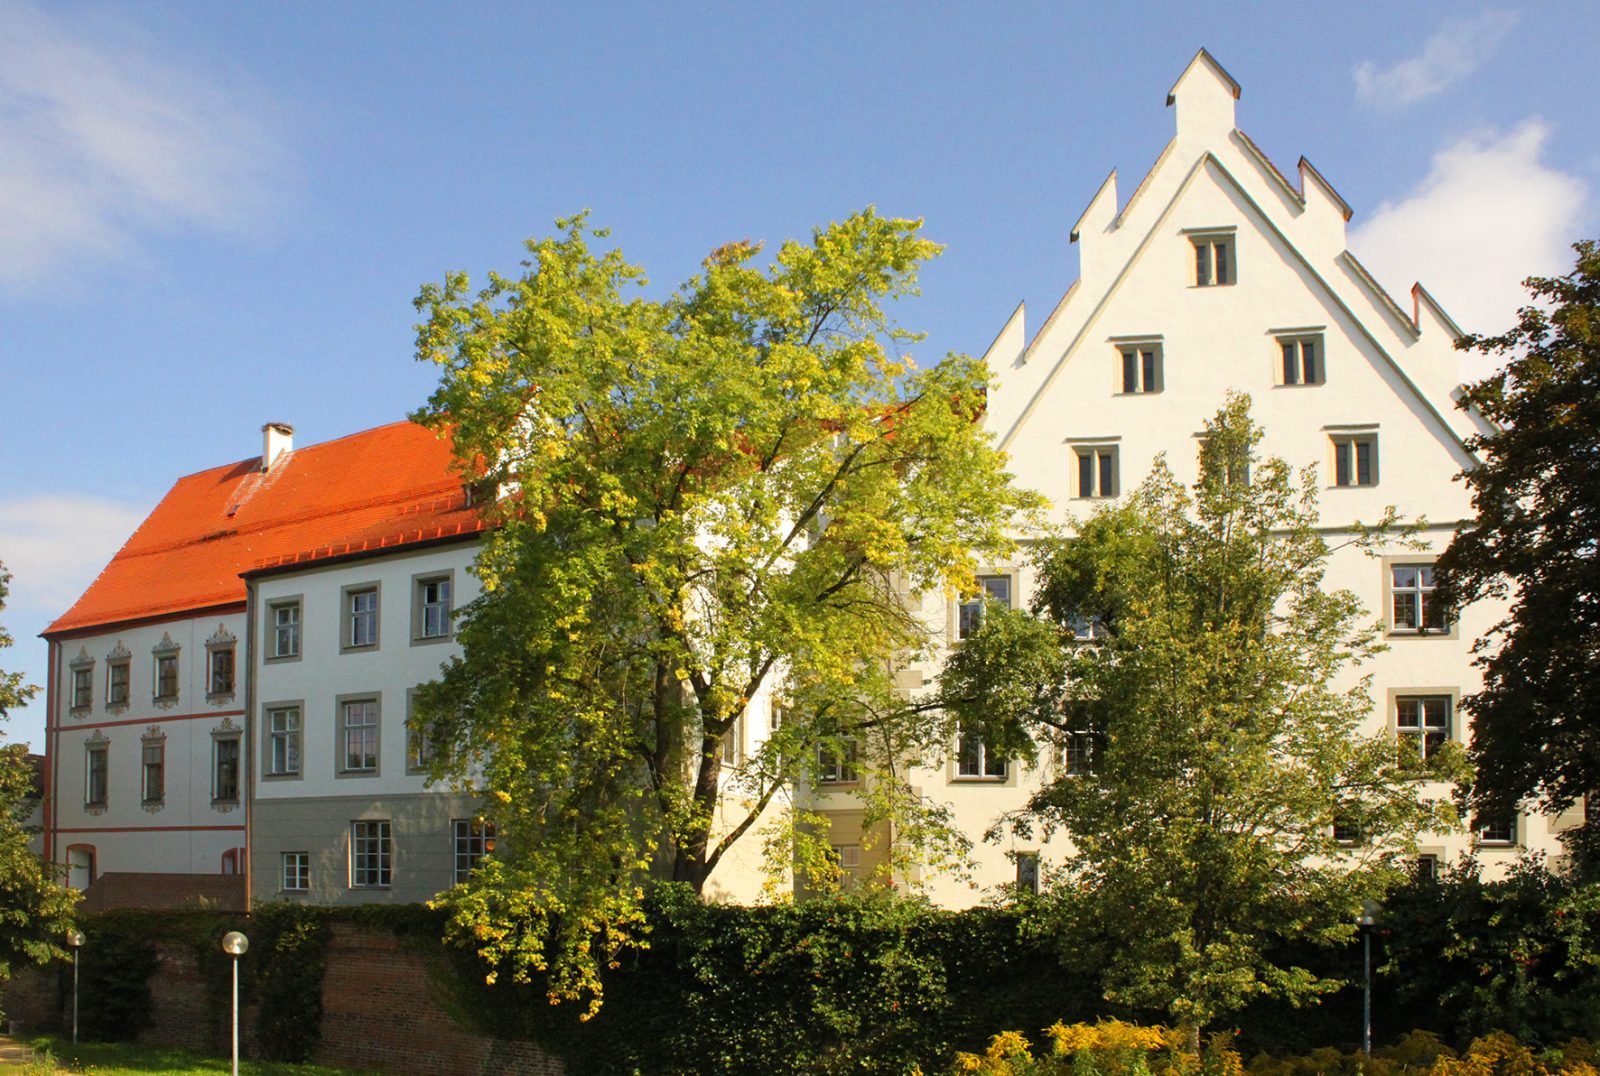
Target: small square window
<point>847,860</point>
<point>1141,369</point>
<point>296,872</point>
<point>1413,606</point>
<point>1347,833</point>
<point>1097,471</point>
<point>1213,260</point>
<point>1427,868</point>
<point>991,588</point>
<point>976,760</point>
<point>1087,629</point>
<point>371,854</point>
<point>473,839</point>
<point>1422,723</point>
<point>1300,360</point>
<point>1355,459</point>
<point>836,765</point>
<point>1497,831</point>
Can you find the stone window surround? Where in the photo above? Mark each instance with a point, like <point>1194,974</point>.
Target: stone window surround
<point>346,618</point>
<point>267,710</point>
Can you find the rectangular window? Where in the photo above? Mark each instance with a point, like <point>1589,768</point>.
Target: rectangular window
<point>1355,460</point>
<point>836,765</point>
<point>225,769</point>
<point>359,719</point>
<point>1302,360</point>
<point>974,759</point>
<point>360,618</point>
<point>1422,722</point>
<point>733,742</point>
<point>847,859</point>
<point>433,608</point>
<point>1497,831</point>
<point>991,588</point>
<point>1412,602</point>
<point>1097,471</point>
<point>1427,868</point>
<point>285,629</point>
<point>117,683</point>
<point>82,687</point>
<point>219,674</point>
<point>166,676</point>
<point>94,783</point>
<point>283,741</point>
<point>474,839</point>
<point>1081,751</point>
<point>1213,260</point>
<point>153,783</point>
<point>296,872</point>
<point>1028,872</point>
<point>1141,368</point>
<point>1347,833</point>
<point>371,854</point>
<point>1087,629</point>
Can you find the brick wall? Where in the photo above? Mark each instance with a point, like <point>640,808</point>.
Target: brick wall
<point>33,999</point>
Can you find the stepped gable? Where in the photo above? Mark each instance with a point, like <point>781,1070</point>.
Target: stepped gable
<point>380,488</point>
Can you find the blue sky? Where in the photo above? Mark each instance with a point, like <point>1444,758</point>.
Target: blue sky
<point>215,215</point>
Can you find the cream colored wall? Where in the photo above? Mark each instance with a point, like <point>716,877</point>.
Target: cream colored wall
<point>185,833</point>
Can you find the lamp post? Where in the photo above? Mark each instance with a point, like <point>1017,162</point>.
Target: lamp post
<point>75,940</point>
<point>1369,914</point>
<point>235,945</point>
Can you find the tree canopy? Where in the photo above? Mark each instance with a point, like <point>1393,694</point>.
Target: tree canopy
<point>35,910</point>
<point>1533,541</point>
<point>1194,677</point>
<point>710,504</point>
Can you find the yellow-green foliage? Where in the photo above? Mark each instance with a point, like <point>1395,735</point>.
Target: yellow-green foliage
<point>1113,1048</point>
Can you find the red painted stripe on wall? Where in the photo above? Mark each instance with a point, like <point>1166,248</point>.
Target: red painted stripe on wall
<point>150,829</point>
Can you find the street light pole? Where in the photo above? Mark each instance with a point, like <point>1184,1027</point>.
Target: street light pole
<point>1369,911</point>
<point>75,941</point>
<point>235,945</point>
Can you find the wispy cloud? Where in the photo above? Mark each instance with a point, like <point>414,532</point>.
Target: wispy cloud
<point>55,545</point>
<point>1451,54</point>
<point>1488,214</point>
<point>105,140</point>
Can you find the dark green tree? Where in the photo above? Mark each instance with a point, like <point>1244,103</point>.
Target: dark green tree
<point>1535,542</point>
<point>1220,793</point>
<point>35,910</point>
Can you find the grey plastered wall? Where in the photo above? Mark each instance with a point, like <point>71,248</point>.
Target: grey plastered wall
<point>420,825</point>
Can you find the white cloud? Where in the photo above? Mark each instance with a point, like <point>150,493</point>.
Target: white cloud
<point>104,140</point>
<point>1488,215</point>
<point>1450,55</point>
<point>55,545</point>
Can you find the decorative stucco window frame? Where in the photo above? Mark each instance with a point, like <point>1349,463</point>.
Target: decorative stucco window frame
<point>165,650</point>
<point>153,737</point>
<point>78,669</point>
<point>120,657</point>
<point>221,641</point>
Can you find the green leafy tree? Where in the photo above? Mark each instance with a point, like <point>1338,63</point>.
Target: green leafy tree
<point>706,499</point>
<point>35,910</point>
<point>1535,729</point>
<point>1183,648</point>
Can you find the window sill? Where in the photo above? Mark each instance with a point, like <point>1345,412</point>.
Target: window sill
<point>977,779</point>
<point>428,640</point>
<point>286,776</point>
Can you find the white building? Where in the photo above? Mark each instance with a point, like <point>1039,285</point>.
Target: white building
<point>1218,273</point>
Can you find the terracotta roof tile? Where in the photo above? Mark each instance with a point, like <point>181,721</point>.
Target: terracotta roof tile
<point>385,487</point>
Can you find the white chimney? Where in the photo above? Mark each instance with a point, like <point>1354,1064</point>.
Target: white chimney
<point>276,439</point>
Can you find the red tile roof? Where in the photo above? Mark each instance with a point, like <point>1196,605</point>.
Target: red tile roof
<point>381,488</point>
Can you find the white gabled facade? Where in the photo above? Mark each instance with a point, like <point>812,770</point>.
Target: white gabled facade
<point>1218,274</point>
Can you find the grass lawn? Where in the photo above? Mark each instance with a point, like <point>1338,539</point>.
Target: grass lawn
<point>128,1059</point>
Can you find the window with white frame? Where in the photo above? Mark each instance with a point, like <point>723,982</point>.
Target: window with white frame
<point>95,766</point>
<point>1355,459</point>
<point>473,838</point>
<point>1141,368</point>
<point>285,630</point>
<point>1081,752</point>
<point>733,742</point>
<point>1413,606</point>
<point>1496,830</point>
<point>1347,833</point>
<point>153,766</point>
<point>117,682</point>
<point>225,769</point>
<point>283,741</point>
<point>1300,360</point>
<point>847,859</point>
<point>371,854</point>
<point>358,722</point>
<point>296,872</point>
<point>1422,722</point>
<point>1087,629</point>
<point>836,763</point>
<point>1027,872</point>
<point>432,605</point>
<point>1213,260</point>
<point>1427,867</point>
<point>975,759</point>
<point>1097,471</point>
<point>360,628</point>
<point>219,671</point>
<point>991,588</point>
